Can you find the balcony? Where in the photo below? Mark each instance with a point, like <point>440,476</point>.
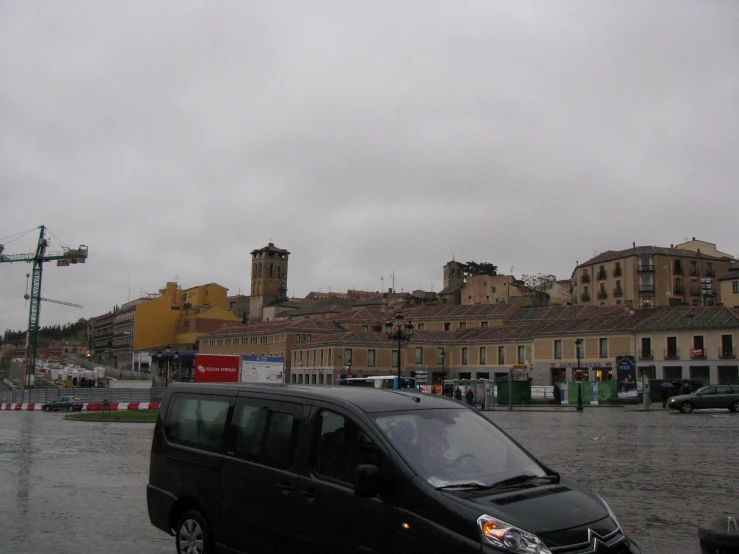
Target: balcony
<point>694,272</point>
<point>678,290</point>
<point>698,354</point>
<point>602,275</point>
<point>646,289</point>
<point>602,295</point>
<point>671,354</point>
<point>678,271</point>
<point>644,268</point>
<point>646,355</point>
<point>585,278</point>
<point>711,273</point>
<point>618,292</point>
<point>617,272</point>
<point>726,353</point>
<point>585,297</point>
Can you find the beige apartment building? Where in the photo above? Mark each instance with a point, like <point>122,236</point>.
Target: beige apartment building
<point>729,288</point>
<point>650,276</point>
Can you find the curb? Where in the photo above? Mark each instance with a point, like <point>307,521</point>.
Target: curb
<point>89,407</point>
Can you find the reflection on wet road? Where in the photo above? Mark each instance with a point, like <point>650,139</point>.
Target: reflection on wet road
<point>75,487</point>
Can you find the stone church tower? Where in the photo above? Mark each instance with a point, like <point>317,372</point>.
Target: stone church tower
<point>268,279</point>
<point>453,274</point>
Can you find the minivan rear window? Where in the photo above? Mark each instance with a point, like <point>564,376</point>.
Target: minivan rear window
<point>197,421</point>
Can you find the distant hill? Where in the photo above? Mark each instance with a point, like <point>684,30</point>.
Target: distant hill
<point>71,332</point>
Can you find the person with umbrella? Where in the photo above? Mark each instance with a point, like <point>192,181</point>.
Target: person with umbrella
<point>664,392</point>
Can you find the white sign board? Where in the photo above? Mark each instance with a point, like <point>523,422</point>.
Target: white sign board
<point>262,369</point>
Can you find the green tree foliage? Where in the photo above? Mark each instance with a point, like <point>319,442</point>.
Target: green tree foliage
<point>538,287</point>
<point>479,268</point>
<point>47,334</point>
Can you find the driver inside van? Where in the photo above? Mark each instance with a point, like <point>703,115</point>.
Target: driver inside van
<point>424,443</point>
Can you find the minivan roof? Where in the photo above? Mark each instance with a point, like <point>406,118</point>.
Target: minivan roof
<point>365,398</point>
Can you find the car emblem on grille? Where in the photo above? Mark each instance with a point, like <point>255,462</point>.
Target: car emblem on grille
<point>596,542</point>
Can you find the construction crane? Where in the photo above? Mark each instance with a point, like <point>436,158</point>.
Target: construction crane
<point>27,296</point>
<point>64,258</point>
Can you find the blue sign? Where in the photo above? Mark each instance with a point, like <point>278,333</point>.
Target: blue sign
<point>625,363</point>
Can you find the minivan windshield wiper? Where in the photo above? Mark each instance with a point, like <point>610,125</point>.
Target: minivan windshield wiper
<point>476,486</point>
<point>552,478</point>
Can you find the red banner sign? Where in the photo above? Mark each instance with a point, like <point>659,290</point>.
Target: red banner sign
<point>216,368</point>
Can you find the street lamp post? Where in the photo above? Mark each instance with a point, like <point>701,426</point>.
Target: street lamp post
<point>443,373</point>
<point>402,333</point>
<point>166,349</point>
<point>176,360</point>
<point>578,375</point>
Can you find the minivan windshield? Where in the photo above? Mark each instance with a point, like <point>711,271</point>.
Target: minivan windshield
<point>449,447</point>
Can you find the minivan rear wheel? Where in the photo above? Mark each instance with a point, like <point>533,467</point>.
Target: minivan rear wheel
<point>193,534</point>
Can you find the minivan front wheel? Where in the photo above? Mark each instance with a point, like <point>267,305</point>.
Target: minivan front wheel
<point>193,534</point>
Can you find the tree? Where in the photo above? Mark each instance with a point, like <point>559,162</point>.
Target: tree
<point>479,268</point>
<point>538,287</point>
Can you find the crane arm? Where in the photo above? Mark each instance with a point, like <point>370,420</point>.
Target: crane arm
<point>73,255</point>
<point>28,296</point>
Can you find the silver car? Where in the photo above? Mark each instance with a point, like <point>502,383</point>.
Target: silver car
<point>714,396</point>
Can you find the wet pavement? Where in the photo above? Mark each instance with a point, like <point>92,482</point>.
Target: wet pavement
<point>79,487</point>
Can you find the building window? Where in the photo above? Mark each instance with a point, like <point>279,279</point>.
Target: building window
<point>671,348</point>
<point>419,355</point>
<point>447,326</point>
<point>365,328</point>
<point>603,348</point>
<point>646,348</point>
<point>483,324</point>
<point>693,268</point>
<point>557,349</point>
<point>521,355</point>
<point>463,325</point>
<point>420,327</point>
<point>464,355</point>
<point>395,358</point>
<point>348,356</point>
<point>735,287</point>
<point>371,358</point>
<point>501,355</point>
<point>483,355</point>
<point>322,351</point>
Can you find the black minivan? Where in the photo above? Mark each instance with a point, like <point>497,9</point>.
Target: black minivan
<point>308,469</point>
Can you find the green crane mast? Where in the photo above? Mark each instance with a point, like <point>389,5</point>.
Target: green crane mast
<point>64,258</point>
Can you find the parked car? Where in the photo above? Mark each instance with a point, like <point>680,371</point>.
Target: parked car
<point>338,470</point>
<point>68,403</point>
<point>714,396</point>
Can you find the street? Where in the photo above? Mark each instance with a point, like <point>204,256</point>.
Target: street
<point>80,487</point>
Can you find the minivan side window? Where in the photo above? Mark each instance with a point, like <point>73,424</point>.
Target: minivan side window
<point>197,421</point>
<point>266,434</point>
<point>341,446</point>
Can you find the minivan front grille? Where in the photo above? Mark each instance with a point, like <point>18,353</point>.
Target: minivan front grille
<point>536,493</point>
<point>600,537</point>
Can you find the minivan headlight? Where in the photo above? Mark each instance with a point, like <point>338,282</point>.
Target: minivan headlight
<point>509,537</point>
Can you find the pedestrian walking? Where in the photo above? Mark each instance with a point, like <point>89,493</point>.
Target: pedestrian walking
<point>470,396</point>
<point>664,395</point>
<point>457,394</point>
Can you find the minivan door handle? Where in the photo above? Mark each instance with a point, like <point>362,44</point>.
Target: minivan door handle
<point>308,494</point>
<point>285,488</point>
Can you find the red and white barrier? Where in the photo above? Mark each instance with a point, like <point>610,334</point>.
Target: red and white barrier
<point>89,407</point>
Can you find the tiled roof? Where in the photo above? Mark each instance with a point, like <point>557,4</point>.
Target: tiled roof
<point>363,315</point>
<point>368,338</point>
<point>535,315</point>
<point>609,255</point>
<point>731,275</point>
<point>307,325</point>
<point>460,312</point>
<point>374,301</point>
<point>689,317</point>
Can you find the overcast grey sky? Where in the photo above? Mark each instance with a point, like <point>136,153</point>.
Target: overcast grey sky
<point>173,138</point>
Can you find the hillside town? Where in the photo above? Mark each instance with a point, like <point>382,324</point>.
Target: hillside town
<point>674,310</point>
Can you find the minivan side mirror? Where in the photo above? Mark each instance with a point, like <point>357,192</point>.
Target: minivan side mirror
<point>367,481</point>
